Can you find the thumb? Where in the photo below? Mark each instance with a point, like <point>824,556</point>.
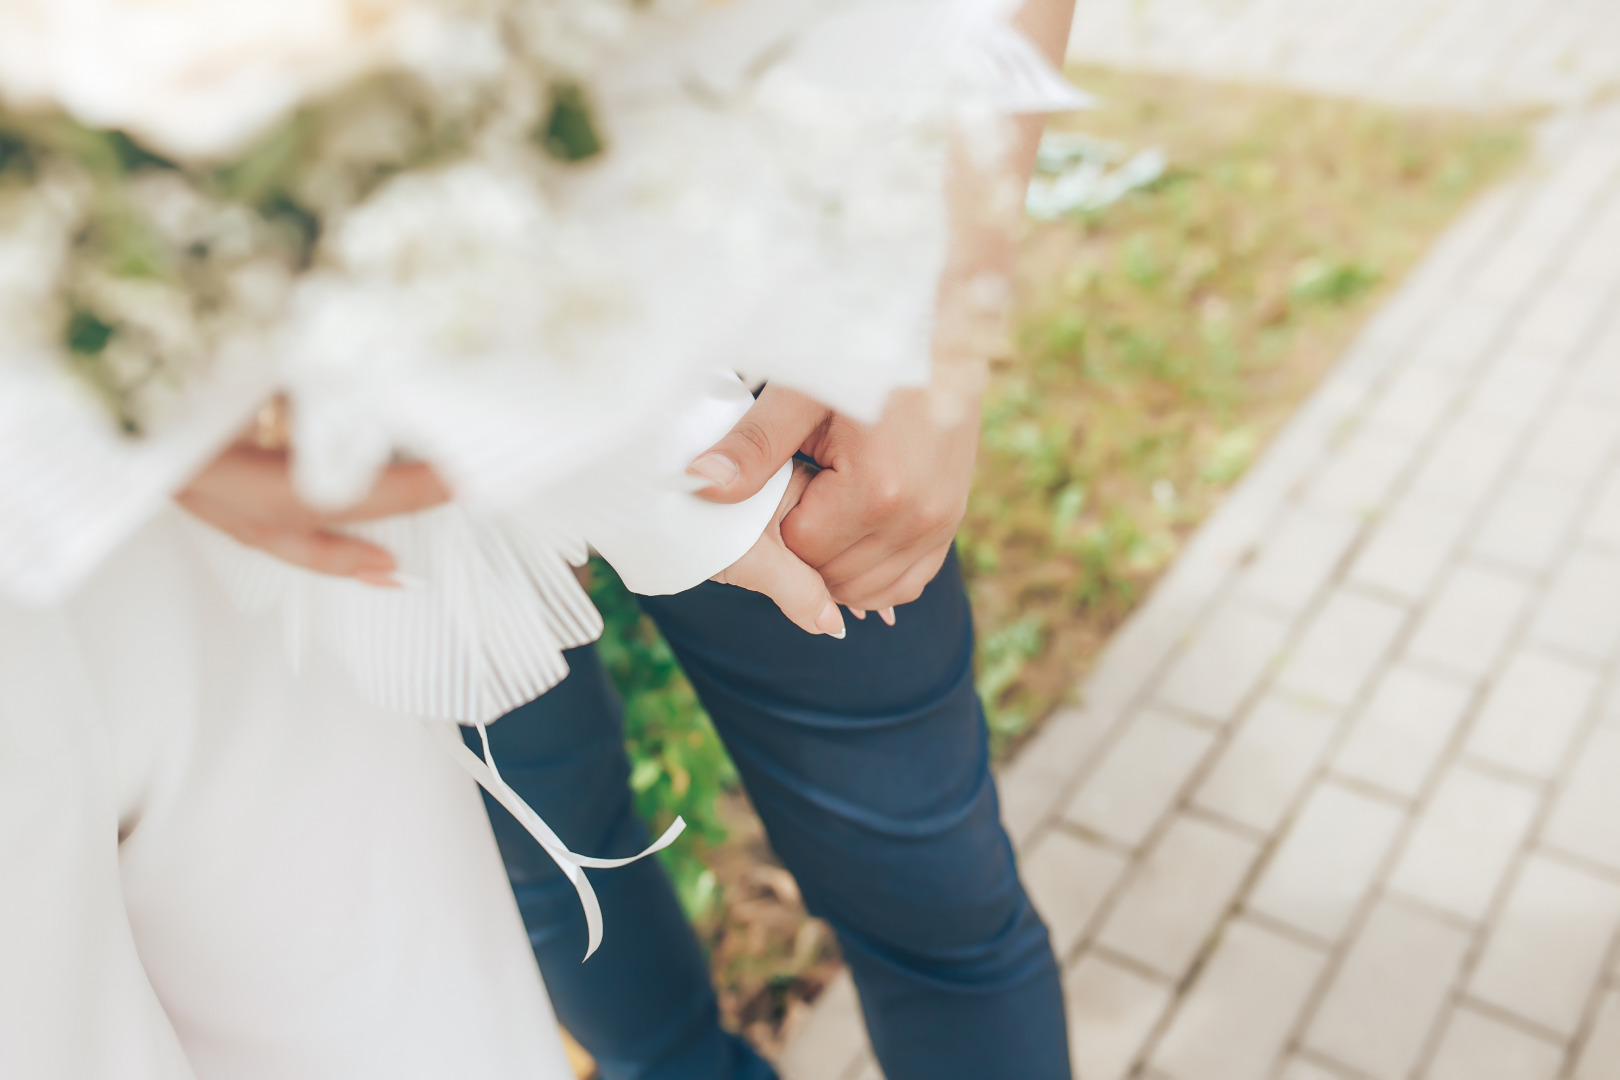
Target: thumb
<point>772,570</point>
<point>769,433</point>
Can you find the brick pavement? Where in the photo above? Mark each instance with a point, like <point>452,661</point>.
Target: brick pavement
<point>1342,800</point>
<point>1450,52</point>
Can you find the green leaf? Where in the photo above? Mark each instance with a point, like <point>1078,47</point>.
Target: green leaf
<point>86,334</point>
<point>569,130</point>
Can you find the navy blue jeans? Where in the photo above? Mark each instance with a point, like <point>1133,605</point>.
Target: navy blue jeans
<point>867,760</point>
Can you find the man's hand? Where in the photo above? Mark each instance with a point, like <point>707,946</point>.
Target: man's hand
<point>770,568</point>
<point>879,518</point>
<point>248,493</point>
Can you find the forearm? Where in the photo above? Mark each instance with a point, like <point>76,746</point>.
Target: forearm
<point>1047,24</point>
<point>986,200</point>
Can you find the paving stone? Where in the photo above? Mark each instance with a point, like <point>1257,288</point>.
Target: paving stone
<point>833,1037</point>
<point>1224,661</point>
<point>1593,261</point>
<point>1112,1011</point>
<point>1300,1069</point>
<point>1477,1047</point>
<point>1464,841</point>
<point>1532,714</point>
<point>1409,549</point>
<point>867,1069</point>
<point>1032,785</point>
<point>1360,476</point>
<point>1562,317</point>
<point>1581,612</point>
<point>1597,378</point>
<point>1299,558</point>
<point>1600,1057</point>
<point>1481,54</point>
<point>1585,819</point>
<point>1468,625</point>
<point>1138,780</point>
<point>1398,739</point>
<point>1415,401</point>
<point>1517,386</point>
<point>1466,332</point>
<point>1326,863</point>
<point>1340,648</point>
<point>1176,896</point>
<point>1546,951</point>
<point>1575,442</point>
<point>1530,254</point>
<point>1466,465</point>
<point>1603,524</point>
<point>1235,1022</point>
<point>1068,878</point>
<point>1268,762</point>
<point>1528,523</point>
<point>1389,991</point>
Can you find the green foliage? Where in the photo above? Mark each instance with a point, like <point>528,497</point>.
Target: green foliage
<point>677,763</point>
<point>266,172</point>
<point>1317,281</point>
<point>86,334</point>
<point>569,131</point>
<point>15,155</point>
<point>1230,456</point>
<point>1002,657</point>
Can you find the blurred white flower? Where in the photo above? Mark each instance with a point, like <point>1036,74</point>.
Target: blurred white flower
<point>193,78</point>
<point>36,229</point>
<point>509,324</point>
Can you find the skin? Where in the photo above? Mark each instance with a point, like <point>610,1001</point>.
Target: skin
<point>879,518</point>
<point>247,492</point>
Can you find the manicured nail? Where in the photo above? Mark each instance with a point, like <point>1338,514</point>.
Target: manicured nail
<point>379,578</point>
<point>717,469</point>
<point>830,622</point>
<point>887,615</point>
<point>859,613</point>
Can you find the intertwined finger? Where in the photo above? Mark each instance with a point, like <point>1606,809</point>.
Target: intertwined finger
<point>765,439</point>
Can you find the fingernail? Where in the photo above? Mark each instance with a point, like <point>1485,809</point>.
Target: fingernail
<point>717,469</point>
<point>378,578</point>
<point>887,615</point>
<point>830,622</point>
<point>858,613</point>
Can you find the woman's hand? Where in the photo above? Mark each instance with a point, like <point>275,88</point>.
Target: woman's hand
<point>770,568</point>
<point>247,492</point>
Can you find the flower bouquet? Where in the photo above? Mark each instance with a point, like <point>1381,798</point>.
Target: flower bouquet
<point>517,239</point>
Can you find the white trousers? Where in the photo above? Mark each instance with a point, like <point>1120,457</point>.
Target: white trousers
<point>212,867</point>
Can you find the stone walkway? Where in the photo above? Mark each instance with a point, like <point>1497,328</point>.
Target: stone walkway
<point>1343,798</point>
<point>1468,53</point>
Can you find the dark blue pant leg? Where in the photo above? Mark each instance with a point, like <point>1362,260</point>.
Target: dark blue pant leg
<point>643,1005</point>
<point>868,762</point>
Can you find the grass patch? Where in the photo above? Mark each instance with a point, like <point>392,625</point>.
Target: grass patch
<point>1162,341</point>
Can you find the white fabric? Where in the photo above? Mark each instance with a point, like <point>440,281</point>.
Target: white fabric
<point>490,601</point>
<point>212,868</point>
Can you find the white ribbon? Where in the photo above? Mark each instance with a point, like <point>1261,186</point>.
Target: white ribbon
<point>489,778</point>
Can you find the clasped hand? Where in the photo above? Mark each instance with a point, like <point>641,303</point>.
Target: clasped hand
<point>875,521</point>
<point>868,529</point>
